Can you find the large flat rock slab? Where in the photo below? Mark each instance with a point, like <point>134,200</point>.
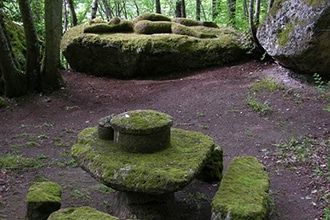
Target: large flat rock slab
<point>155,173</point>
<point>142,53</point>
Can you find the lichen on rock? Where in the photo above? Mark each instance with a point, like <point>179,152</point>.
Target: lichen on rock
<point>296,34</point>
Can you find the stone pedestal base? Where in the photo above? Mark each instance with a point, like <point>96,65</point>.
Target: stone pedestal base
<point>133,205</point>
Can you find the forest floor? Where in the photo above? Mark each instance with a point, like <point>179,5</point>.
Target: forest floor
<point>252,108</point>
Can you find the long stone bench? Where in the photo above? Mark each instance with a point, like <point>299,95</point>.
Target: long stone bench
<point>243,192</point>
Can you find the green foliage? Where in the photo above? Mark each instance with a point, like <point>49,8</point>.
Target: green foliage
<point>264,86</point>
<point>320,85</point>
<point>262,108</point>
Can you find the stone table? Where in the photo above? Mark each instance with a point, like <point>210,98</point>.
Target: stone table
<point>146,181</point>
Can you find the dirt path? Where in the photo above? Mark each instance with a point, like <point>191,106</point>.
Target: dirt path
<point>212,101</point>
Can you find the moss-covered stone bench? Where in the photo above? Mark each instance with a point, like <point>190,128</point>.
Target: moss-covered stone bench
<point>43,198</point>
<point>243,193</point>
<point>81,213</point>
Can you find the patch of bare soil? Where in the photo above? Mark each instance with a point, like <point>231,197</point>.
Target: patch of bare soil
<point>212,101</point>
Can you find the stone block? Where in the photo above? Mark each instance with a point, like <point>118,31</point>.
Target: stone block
<point>243,193</point>
<point>43,198</point>
<point>81,213</point>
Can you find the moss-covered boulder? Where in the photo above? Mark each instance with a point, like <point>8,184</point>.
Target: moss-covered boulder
<point>15,34</point>
<point>158,46</point>
<point>154,173</point>
<point>243,193</point>
<point>296,33</point>
<point>43,198</point>
<point>81,213</point>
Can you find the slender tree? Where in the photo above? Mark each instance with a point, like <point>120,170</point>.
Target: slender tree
<point>108,11</point>
<point>270,4</point>
<point>232,11</point>
<point>215,8</point>
<point>183,8</point>
<point>32,46</point>
<point>257,13</point>
<point>158,9</point>
<point>13,80</point>
<point>94,9</point>
<point>51,78</point>
<point>73,12</point>
<point>253,29</point>
<point>198,10</point>
<point>178,11</point>
<point>180,8</point>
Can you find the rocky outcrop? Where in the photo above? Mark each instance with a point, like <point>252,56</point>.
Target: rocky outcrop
<point>150,45</point>
<point>296,34</point>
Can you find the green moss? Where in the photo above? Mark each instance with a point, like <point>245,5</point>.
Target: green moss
<point>16,37</point>
<point>97,21</point>
<point>81,213</point>
<point>4,102</point>
<point>141,120</point>
<point>212,171</point>
<point>243,192</point>
<point>122,27</point>
<point>148,27</point>
<point>18,163</point>
<point>155,173</point>
<point>184,30</point>
<point>187,22</point>
<point>284,35</point>
<point>43,190</point>
<point>151,17</point>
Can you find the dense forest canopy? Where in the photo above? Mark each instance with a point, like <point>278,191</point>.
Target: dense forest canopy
<point>42,18</point>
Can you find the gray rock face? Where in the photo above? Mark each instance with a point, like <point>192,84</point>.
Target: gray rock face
<point>297,34</point>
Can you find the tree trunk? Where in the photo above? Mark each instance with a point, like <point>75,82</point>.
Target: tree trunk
<point>257,13</point>
<point>108,11</point>
<point>232,11</point>
<point>245,9</point>
<point>180,8</point>
<point>271,2</point>
<point>198,10</point>
<point>137,8</point>
<point>178,11</point>
<point>183,8</point>
<point>32,47</point>
<point>14,81</point>
<point>254,29</point>
<point>51,78</point>
<point>215,9</point>
<point>65,16</point>
<point>73,13</point>
<point>94,9</point>
<point>158,9</point>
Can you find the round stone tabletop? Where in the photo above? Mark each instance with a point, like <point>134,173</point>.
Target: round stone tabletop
<point>160,172</point>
